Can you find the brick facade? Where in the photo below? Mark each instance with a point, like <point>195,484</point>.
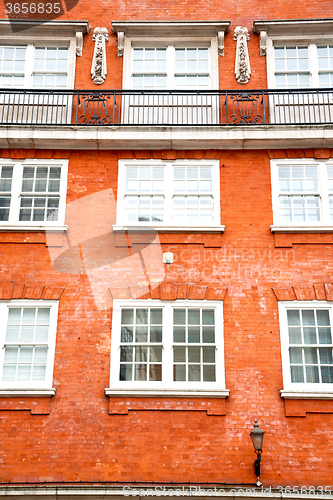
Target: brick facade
<point>80,434</point>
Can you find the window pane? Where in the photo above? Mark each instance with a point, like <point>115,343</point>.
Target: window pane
<point>308,362</point>
<point>312,374</point>
<point>155,372</point>
<point>209,373</point>
<point>297,375</point>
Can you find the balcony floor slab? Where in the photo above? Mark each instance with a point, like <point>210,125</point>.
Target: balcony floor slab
<point>159,137</point>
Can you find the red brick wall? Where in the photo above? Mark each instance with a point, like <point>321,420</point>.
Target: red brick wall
<point>73,436</point>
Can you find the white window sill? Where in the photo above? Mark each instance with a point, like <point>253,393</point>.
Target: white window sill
<point>306,394</point>
<point>20,228</point>
<point>302,229</point>
<point>170,229</point>
<point>165,393</point>
<point>30,393</point>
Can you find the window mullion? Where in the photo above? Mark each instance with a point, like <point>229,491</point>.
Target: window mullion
<point>168,193</point>
<point>170,67</point>
<point>167,344</point>
<point>314,69</point>
<point>324,193</point>
<point>29,66</point>
<point>16,192</point>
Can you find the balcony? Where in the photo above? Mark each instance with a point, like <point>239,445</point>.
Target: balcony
<point>174,119</point>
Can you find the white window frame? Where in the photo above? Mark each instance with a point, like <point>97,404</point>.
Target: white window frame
<point>168,193</point>
<point>171,43</point>
<point>310,42</point>
<point>167,386</point>
<point>46,34</point>
<point>14,224</point>
<point>38,388</point>
<point>30,58</point>
<point>30,44</point>
<point>301,390</point>
<point>325,224</point>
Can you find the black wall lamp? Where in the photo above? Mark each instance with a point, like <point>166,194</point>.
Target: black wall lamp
<point>257,436</point>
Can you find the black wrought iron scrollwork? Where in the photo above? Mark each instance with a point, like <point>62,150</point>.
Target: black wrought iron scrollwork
<point>245,109</point>
<point>190,108</point>
<point>95,109</point>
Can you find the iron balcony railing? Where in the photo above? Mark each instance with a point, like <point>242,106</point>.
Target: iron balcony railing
<point>166,108</point>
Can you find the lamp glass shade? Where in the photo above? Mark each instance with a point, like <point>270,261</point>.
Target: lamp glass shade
<point>257,436</point>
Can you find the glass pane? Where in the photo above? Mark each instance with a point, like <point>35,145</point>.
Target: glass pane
<point>141,334</point>
<point>27,333</point>
<point>179,316</point>
<point>25,355</point>
<point>194,373</point>
<point>126,353</point>
<point>308,318</point>
<point>310,355</point>
<point>12,333</point>
<point>14,316</point>
<point>293,318</point>
<point>127,316</point>
<point>125,372</point>
<point>193,334</point>
<point>297,375</point>
<point>179,373</point>
<point>312,374</point>
<point>38,373</point>
<point>310,336</point>
<point>43,316</point>
<point>126,334</point>
<point>208,354</point>
<point>156,334</point>
<point>29,315</point>
<point>155,372</point>
<point>208,317</point>
<point>194,316</point>
<point>9,373</point>
<point>179,354</point>
<point>295,336</point>
<point>323,318</point>
<point>142,316</point>
<point>178,334</point>
<point>11,354</point>
<point>194,354</point>
<point>140,372</point>
<point>208,335</point>
<point>209,373</point>
<point>295,355</point>
<point>325,336</point>
<point>327,374</point>
<point>155,354</point>
<point>23,373</point>
<point>156,316</point>
<point>325,355</point>
<point>141,353</point>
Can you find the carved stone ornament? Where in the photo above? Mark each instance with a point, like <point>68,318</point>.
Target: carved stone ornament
<point>263,43</point>
<point>220,43</point>
<point>242,65</point>
<point>79,43</point>
<point>98,67</point>
<point>121,43</point>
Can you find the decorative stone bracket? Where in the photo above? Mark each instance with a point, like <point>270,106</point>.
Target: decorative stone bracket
<point>79,43</point>
<point>98,67</point>
<point>220,43</point>
<point>263,43</point>
<point>242,64</point>
<point>121,43</point>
